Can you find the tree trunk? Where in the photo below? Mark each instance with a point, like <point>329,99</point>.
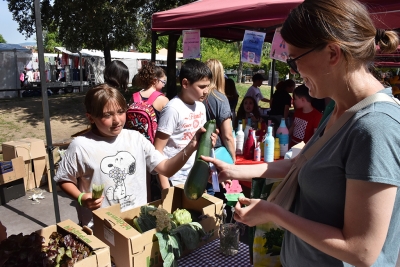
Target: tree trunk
<point>107,54</point>
<point>240,67</point>
<point>171,66</point>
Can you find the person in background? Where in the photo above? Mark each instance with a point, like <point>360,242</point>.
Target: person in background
<point>281,102</point>
<point>114,157</point>
<point>306,117</point>
<point>346,211</point>
<point>248,109</point>
<point>181,118</point>
<point>152,79</point>
<point>254,90</point>
<point>116,74</point>
<point>232,95</point>
<point>218,108</point>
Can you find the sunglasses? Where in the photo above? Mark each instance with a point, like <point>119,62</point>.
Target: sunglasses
<point>163,82</point>
<point>292,61</point>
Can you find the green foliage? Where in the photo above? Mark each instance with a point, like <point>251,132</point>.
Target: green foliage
<point>2,40</point>
<point>51,40</point>
<point>274,239</point>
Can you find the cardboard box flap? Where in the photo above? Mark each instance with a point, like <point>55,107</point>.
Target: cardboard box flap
<point>18,166</point>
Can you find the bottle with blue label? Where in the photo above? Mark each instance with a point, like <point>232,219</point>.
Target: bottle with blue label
<point>283,134</point>
<point>269,146</point>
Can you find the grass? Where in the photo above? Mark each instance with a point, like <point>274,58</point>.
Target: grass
<point>242,89</point>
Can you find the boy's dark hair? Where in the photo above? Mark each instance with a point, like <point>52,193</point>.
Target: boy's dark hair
<point>302,91</point>
<point>194,70</point>
<point>257,77</point>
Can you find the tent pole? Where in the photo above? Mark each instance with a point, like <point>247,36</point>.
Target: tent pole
<point>45,104</point>
<point>153,46</point>
<point>272,77</point>
<point>80,72</point>
<point>16,68</point>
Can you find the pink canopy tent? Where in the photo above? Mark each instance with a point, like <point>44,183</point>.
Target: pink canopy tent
<point>227,19</point>
<point>388,60</point>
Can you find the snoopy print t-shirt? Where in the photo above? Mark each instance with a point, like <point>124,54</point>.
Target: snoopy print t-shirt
<point>181,121</point>
<point>119,163</point>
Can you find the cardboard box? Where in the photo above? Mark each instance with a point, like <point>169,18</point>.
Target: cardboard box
<point>29,179</point>
<point>28,148</point>
<point>17,172</point>
<point>11,190</point>
<point>101,252</point>
<point>129,248</point>
<point>38,169</point>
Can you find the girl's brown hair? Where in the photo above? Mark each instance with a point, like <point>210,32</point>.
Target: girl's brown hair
<point>98,97</point>
<point>148,75</point>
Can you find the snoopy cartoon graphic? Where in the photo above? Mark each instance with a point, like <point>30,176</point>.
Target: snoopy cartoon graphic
<point>118,167</point>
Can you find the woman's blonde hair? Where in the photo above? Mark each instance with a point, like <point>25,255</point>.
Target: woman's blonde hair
<point>218,78</point>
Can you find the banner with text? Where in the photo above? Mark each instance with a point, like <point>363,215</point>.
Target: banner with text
<point>191,43</point>
<point>252,47</point>
<point>279,48</point>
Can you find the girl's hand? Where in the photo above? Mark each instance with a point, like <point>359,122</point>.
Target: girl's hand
<point>90,203</point>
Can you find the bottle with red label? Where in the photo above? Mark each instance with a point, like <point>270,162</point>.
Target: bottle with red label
<point>248,150</point>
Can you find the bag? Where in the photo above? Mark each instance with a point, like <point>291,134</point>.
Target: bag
<point>141,116</point>
<point>222,153</point>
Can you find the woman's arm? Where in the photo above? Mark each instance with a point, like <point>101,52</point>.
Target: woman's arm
<point>277,169</point>
<point>368,209</point>
<point>227,137</point>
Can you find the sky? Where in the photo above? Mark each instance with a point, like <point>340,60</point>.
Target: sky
<point>9,27</point>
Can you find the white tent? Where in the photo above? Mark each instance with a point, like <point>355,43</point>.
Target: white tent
<point>13,59</point>
<point>96,63</point>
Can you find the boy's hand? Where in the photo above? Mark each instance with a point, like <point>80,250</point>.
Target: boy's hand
<point>196,138</point>
<point>90,203</point>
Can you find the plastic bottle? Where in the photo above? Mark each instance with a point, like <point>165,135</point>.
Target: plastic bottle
<point>257,152</point>
<point>269,146</point>
<point>248,150</point>
<point>283,134</point>
<point>277,149</point>
<point>247,129</point>
<point>239,139</point>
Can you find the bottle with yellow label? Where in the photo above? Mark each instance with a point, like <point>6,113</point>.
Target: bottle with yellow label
<point>277,149</point>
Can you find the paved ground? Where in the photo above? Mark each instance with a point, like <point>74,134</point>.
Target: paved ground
<point>23,215</point>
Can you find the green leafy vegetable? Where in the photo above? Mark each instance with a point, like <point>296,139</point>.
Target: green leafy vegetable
<point>182,216</point>
<point>97,190</point>
<point>274,239</point>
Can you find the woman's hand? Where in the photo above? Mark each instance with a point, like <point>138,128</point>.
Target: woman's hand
<point>252,211</point>
<point>225,170</point>
<point>90,203</point>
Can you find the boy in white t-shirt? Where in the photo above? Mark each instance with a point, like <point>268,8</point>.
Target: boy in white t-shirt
<point>182,117</point>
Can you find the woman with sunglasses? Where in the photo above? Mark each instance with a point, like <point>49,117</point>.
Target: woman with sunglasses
<point>346,211</point>
<point>152,79</point>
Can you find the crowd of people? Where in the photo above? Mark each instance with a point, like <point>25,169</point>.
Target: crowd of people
<point>346,206</point>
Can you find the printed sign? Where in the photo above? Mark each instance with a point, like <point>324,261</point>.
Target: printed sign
<point>279,48</point>
<point>191,43</point>
<point>252,47</point>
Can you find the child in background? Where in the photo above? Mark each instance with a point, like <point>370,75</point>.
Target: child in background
<point>116,74</point>
<point>306,118</point>
<point>152,79</point>
<point>114,157</point>
<point>248,109</point>
<point>281,101</point>
<point>182,117</point>
<point>254,90</point>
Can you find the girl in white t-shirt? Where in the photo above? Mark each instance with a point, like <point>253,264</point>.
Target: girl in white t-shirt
<point>114,157</point>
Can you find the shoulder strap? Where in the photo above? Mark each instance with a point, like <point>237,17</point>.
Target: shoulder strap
<point>136,97</point>
<point>378,97</point>
<point>153,97</point>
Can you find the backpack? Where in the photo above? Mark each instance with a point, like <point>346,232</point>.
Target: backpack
<point>141,116</point>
